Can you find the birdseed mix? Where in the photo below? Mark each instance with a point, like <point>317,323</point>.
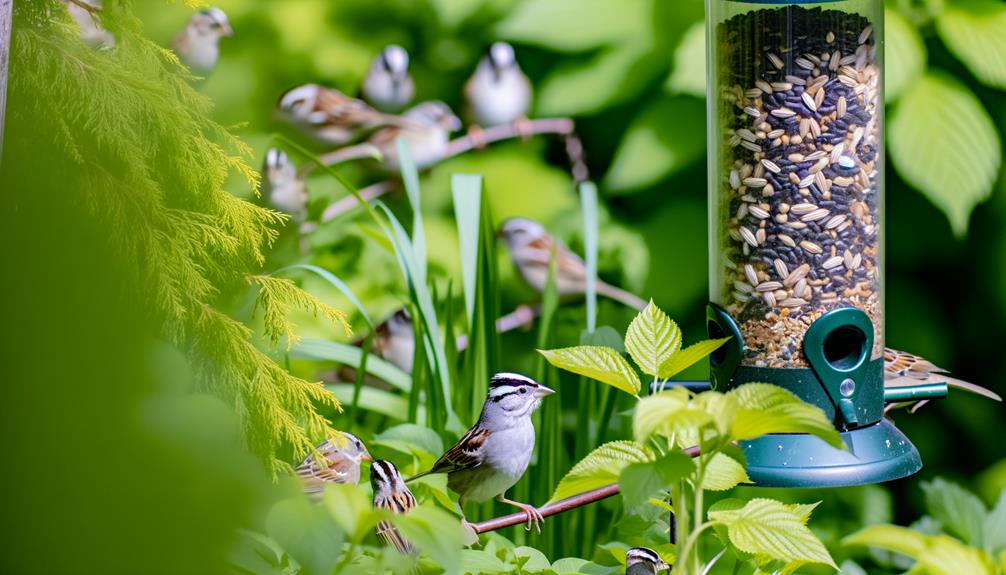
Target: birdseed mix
<point>800,114</point>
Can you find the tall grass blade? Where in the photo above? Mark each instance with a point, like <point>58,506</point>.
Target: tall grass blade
<point>467,193</point>
<point>588,203</point>
<point>323,350</point>
<point>410,177</point>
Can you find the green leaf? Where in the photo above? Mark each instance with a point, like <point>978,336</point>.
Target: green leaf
<point>904,54</point>
<point>687,357</point>
<point>689,73</point>
<point>663,139</point>
<point>350,508</point>
<point>579,88</point>
<point>639,482</point>
<point>599,468</point>
<point>601,363</point>
<point>975,31</point>
<point>530,559</point>
<point>722,407</point>
<point>410,177</point>
<point>651,339</point>
<point>767,408</point>
<point>410,438</point>
<point>467,193</point>
<point>666,413</point>
<point>307,532</point>
<point>588,202</point>
<point>994,528</point>
<point>723,472</point>
<point>960,511</point>
<point>436,532</point>
<point>321,350</point>
<point>890,537</point>
<point>576,25</point>
<point>944,143</point>
<point>477,561</point>
<point>948,556</point>
<point>771,528</point>
<point>373,399</point>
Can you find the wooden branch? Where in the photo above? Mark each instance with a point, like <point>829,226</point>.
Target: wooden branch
<point>347,203</point>
<point>6,21</point>
<point>560,506</point>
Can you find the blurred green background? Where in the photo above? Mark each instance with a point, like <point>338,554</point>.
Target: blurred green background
<point>631,75</point>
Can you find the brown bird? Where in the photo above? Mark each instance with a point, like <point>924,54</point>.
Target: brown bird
<point>341,457</point>
<point>903,369</point>
<point>332,117</point>
<point>391,493</point>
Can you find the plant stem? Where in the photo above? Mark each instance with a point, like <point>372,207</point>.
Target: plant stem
<point>690,544</point>
<point>699,492</point>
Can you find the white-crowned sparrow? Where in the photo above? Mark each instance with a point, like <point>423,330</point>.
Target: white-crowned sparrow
<point>331,117</point>
<point>282,187</point>
<point>391,493</point>
<point>531,247</point>
<point>643,561</point>
<point>388,86</point>
<point>498,92</point>
<point>493,455</point>
<point>85,14</point>
<point>198,44</point>
<point>340,463</point>
<point>905,369</point>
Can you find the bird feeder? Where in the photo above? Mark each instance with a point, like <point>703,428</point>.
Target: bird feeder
<point>796,181</point>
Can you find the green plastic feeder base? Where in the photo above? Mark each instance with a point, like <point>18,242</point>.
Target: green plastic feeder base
<point>876,453</point>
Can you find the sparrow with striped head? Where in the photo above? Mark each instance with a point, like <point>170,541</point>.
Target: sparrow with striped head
<point>498,92</point>
<point>391,493</point>
<point>340,459</point>
<point>388,86</point>
<point>198,44</point>
<point>493,455</point>
<point>531,248</point>
<point>643,561</point>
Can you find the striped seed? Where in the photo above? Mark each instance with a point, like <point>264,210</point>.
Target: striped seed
<point>835,221</point>
<point>768,286</point>
<point>775,134</point>
<point>836,152</point>
<point>748,237</point>
<point>806,182</point>
<point>817,214</point>
<point>810,247</point>
<point>781,269</point>
<point>783,113</point>
<point>769,299</point>
<point>752,276</point>
<point>832,262</point>
<point>803,208</point>
<point>753,112</point>
<point>820,165</point>
<point>786,240</point>
<point>753,94</point>
<point>763,86</point>
<point>771,166</point>
<point>758,212</point>
<point>796,275</point>
<point>746,134</point>
<point>776,61</point>
<point>781,86</point>
<point>750,146</point>
<point>755,182</point>
<point>793,302</point>
<point>796,80</point>
<point>808,100</point>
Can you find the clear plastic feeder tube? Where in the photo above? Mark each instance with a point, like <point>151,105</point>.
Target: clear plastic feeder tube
<point>795,168</point>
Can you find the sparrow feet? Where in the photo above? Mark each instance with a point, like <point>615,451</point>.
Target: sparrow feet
<point>524,128</point>
<point>477,136</point>
<point>534,517</point>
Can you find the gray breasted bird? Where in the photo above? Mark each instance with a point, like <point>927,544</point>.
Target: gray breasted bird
<point>391,493</point>
<point>85,14</point>
<point>283,188</point>
<point>531,248</point>
<point>643,561</point>
<point>388,86</point>
<point>331,117</point>
<point>904,369</point>
<point>198,44</point>
<point>498,92</point>
<point>493,455</point>
<point>340,463</point>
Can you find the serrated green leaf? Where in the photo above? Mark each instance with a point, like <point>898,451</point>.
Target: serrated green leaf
<point>687,357</point>
<point>723,472</point>
<point>651,339</point>
<point>640,481</point>
<point>943,142</point>
<point>666,413</point>
<point>599,468</point>
<point>994,528</point>
<point>661,140</point>
<point>601,363</point>
<point>890,537</point>
<point>768,527</point>
<point>948,556</point>
<point>960,511</point>
<point>689,73</point>
<point>722,407</point>
<point>904,54</point>
<point>975,31</point>
<point>767,408</point>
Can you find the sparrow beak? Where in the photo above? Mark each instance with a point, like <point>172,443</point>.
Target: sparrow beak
<point>367,457</point>
<point>226,31</point>
<point>542,391</point>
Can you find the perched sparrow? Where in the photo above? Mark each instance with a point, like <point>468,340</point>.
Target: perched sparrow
<point>643,561</point>
<point>388,85</point>
<point>495,452</point>
<point>85,14</point>
<point>498,92</point>
<point>531,250</point>
<point>342,456</point>
<point>395,340</point>
<point>904,369</point>
<point>391,493</point>
<point>283,188</point>
<point>330,116</point>
<point>198,44</point>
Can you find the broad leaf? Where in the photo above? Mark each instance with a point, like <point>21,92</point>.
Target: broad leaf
<point>960,511</point>
<point>350,508</point>
<point>723,472</point>
<point>975,31</point>
<point>652,338</point>
<point>600,363</point>
<point>576,25</point>
<point>944,143</point>
<point>666,413</point>
<point>890,537</point>
<point>721,407</point>
<point>639,482</point>
<point>477,561</point>
<point>319,349</point>
<point>410,438</point>
<point>904,54</point>
<point>689,73</point>
<point>689,356</point>
<point>307,533</point>
<point>599,468</point>
<point>436,532</point>
<point>994,529</point>
<point>767,408</point>
<point>948,556</point>
<point>578,88</point>
<point>768,527</point>
<point>663,139</point>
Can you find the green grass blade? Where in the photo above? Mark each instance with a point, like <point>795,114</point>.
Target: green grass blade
<point>588,202</point>
<point>322,350</point>
<point>467,193</point>
<point>410,177</point>
<point>376,400</point>
<point>336,282</point>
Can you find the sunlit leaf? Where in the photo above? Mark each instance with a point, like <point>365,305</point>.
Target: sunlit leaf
<point>600,363</point>
<point>767,408</point>
<point>665,413</point>
<point>436,532</point>
<point>317,349</point>
<point>960,511</point>
<point>689,356</point>
<point>476,561</point>
<point>689,73</point>
<point>943,142</point>
<point>530,559</point>
<point>652,338</point>
<point>723,472</point>
<point>975,31</point>
<point>578,88</point>
<point>948,556</point>
<point>994,528</point>
<point>771,528</point>
<point>890,537</point>
<point>640,481</point>
<point>599,468</point>
<point>576,25</point>
<point>410,438</point>
<point>904,54</point>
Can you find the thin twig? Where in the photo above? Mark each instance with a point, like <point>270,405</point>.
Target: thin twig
<point>560,506</point>
<point>6,21</point>
<point>348,203</point>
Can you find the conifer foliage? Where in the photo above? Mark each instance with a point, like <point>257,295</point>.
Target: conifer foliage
<point>132,146</point>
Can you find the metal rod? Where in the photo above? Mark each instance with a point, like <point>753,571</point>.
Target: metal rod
<point>6,21</point>
<point>915,392</point>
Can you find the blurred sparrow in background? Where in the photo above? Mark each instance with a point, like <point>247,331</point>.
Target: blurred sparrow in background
<point>498,92</point>
<point>495,452</point>
<point>85,14</point>
<point>391,493</point>
<point>531,250</point>
<point>198,44</point>
<point>388,85</point>
<point>340,463</point>
<point>330,116</point>
<point>903,369</point>
<point>282,187</point>
<point>643,561</point>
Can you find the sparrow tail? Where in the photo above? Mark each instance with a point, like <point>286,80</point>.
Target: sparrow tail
<point>967,386</point>
<point>619,294</point>
<point>350,153</point>
<point>418,475</point>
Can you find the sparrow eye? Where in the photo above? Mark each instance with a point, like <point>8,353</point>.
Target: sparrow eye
<point>523,389</point>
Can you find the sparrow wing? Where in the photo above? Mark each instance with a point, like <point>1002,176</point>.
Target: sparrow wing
<point>464,454</point>
<point>903,369</point>
<point>398,503</point>
<point>333,466</point>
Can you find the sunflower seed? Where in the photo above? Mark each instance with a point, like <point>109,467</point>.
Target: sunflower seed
<point>763,86</point>
<point>742,212</point>
<point>746,134</point>
<point>755,182</point>
<point>781,86</point>
<point>796,275</point>
<point>865,34</point>
<point>776,61</point>
<point>768,286</point>
<point>835,221</point>
<point>775,134</point>
<point>758,212</point>
<point>750,146</point>
<point>780,268</point>
<point>783,113</point>
<point>808,100</point>
<point>753,112</point>
<point>793,302</point>
<point>815,215</point>
<point>769,299</point>
<point>832,262</point>
<point>803,208</point>
<point>771,166</point>
<point>810,247</point>
<point>815,156</point>
<point>786,240</point>
<point>753,94</point>
<point>804,63</point>
<point>836,152</point>
<point>749,237</point>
